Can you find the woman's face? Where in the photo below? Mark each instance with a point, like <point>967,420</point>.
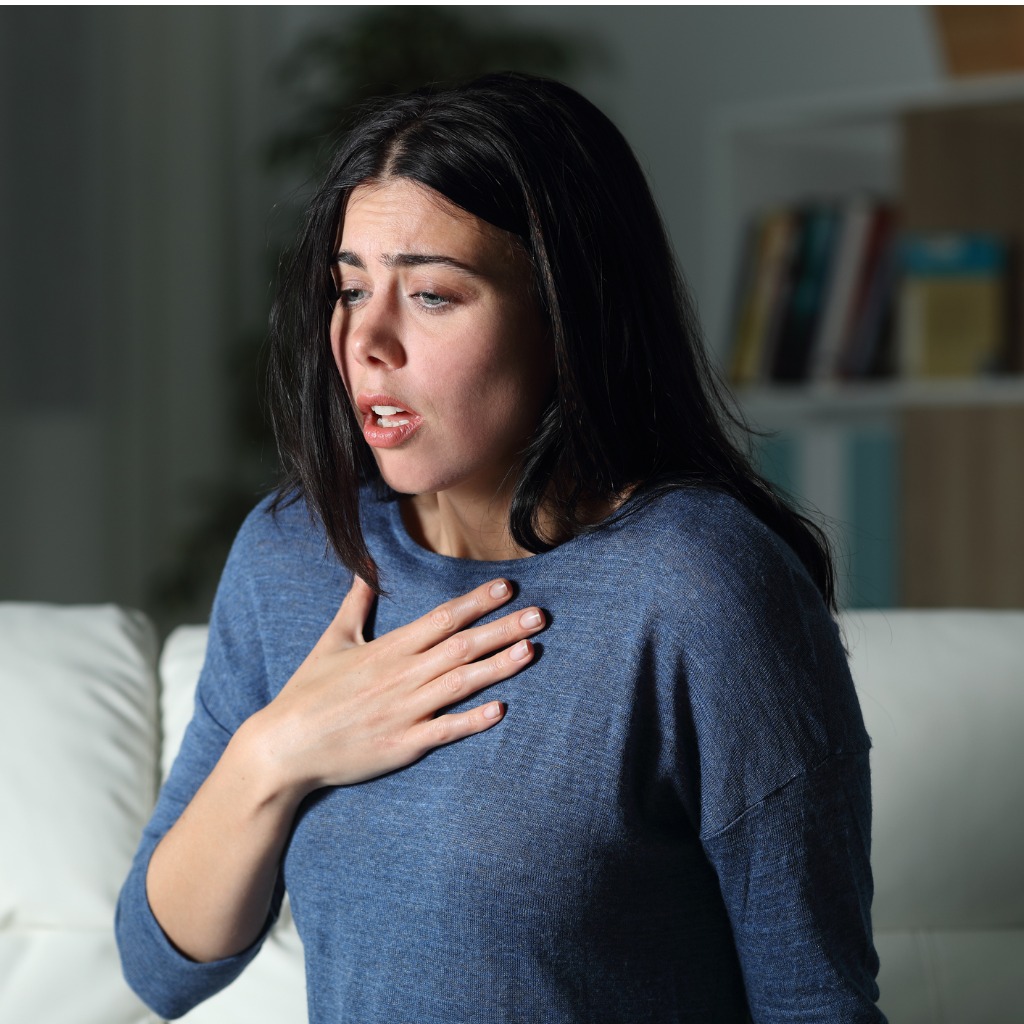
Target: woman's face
<point>438,339</point>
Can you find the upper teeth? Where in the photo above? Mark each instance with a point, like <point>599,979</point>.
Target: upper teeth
<point>386,410</point>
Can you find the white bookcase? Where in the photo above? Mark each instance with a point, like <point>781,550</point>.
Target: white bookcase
<point>837,447</point>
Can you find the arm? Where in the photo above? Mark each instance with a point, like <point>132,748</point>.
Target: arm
<point>778,779</point>
<point>796,881</point>
<point>352,711</point>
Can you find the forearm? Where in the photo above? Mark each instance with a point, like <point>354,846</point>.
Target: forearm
<point>211,879</point>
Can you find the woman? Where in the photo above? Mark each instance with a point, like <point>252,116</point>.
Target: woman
<point>494,410</point>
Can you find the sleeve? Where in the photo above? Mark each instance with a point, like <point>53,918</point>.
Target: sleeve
<point>795,877</point>
<point>232,686</point>
<point>782,793</point>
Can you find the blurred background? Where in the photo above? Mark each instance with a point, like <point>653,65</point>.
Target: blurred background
<point>842,186</point>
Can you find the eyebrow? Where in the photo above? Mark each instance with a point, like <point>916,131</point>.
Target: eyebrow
<point>407,259</point>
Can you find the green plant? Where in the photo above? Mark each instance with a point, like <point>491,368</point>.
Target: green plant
<point>390,50</point>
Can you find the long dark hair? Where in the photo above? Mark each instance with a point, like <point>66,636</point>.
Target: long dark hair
<point>636,406</point>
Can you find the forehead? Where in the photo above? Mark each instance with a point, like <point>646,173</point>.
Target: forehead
<point>403,216</point>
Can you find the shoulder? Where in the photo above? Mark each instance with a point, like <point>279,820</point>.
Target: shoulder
<point>281,585</point>
<point>763,685</point>
<point>272,527</point>
<point>706,545</point>
<point>702,566</point>
<point>718,586</point>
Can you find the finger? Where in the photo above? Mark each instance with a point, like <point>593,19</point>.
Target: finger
<point>457,726</point>
<point>448,618</point>
<point>462,682</point>
<point>471,644</point>
<point>354,610</point>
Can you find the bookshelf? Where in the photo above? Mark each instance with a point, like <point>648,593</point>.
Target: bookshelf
<point>883,460</point>
<point>778,406</point>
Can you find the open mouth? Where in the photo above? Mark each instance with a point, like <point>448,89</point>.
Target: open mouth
<point>386,424</point>
<point>389,415</point>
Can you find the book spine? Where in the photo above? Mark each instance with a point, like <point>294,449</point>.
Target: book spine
<point>804,300</point>
<point>851,251</point>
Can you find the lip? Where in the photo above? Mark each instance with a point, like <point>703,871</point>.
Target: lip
<point>386,437</point>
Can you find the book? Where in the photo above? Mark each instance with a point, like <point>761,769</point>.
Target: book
<point>853,235</point>
<point>952,305</point>
<point>743,345</point>
<point>768,251</point>
<point>802,300</point>
<point>866,337</point>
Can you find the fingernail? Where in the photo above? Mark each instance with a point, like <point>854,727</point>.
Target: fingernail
<point>493,710</point>
<point>531,618</point>
<point>499,589</point>
<point>520,651</point>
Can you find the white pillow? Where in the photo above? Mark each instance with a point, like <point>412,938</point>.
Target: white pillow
<point>78,762</point>
<point>180,663</point>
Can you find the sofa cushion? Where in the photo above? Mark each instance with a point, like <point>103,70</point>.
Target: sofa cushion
<point>78,756</point>
<point>78,759</point>
<point>943,698</point>
<point>65,977</point>
<point>180,663</point>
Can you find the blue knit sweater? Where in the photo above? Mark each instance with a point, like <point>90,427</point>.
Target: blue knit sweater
<point>670,824</point>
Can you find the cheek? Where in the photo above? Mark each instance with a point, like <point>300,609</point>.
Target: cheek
<point>501,399</point>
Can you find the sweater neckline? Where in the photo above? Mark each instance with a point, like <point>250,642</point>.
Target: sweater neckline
<point>449,563</point>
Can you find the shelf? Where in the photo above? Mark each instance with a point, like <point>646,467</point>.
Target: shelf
<point>918,480</point>
<point>783,151</point>
<point>780,405</point>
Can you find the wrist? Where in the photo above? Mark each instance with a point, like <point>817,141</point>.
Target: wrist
<point>258,758</point>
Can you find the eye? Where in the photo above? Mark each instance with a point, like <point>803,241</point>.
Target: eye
<point>431,300</point>
<point>351,296</point>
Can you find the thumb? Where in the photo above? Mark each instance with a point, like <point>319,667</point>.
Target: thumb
<point>354,610</point>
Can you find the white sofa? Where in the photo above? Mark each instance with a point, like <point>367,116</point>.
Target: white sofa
<point>91,717</point>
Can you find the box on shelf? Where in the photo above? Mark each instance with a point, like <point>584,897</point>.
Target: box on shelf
<point>982,39</point>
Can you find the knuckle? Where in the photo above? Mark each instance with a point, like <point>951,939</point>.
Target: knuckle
<point>457,648</point>
<point>452,682</point>
<point>442,619</point>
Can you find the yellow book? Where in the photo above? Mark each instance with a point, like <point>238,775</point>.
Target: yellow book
<point>775,237</point>
<point>952,306</point>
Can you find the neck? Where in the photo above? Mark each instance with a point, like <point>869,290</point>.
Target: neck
<point>462,526</point>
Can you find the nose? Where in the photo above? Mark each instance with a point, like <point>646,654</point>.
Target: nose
<point>371,333</point>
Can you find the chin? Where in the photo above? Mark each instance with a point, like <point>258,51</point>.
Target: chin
<point>415,477</point>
